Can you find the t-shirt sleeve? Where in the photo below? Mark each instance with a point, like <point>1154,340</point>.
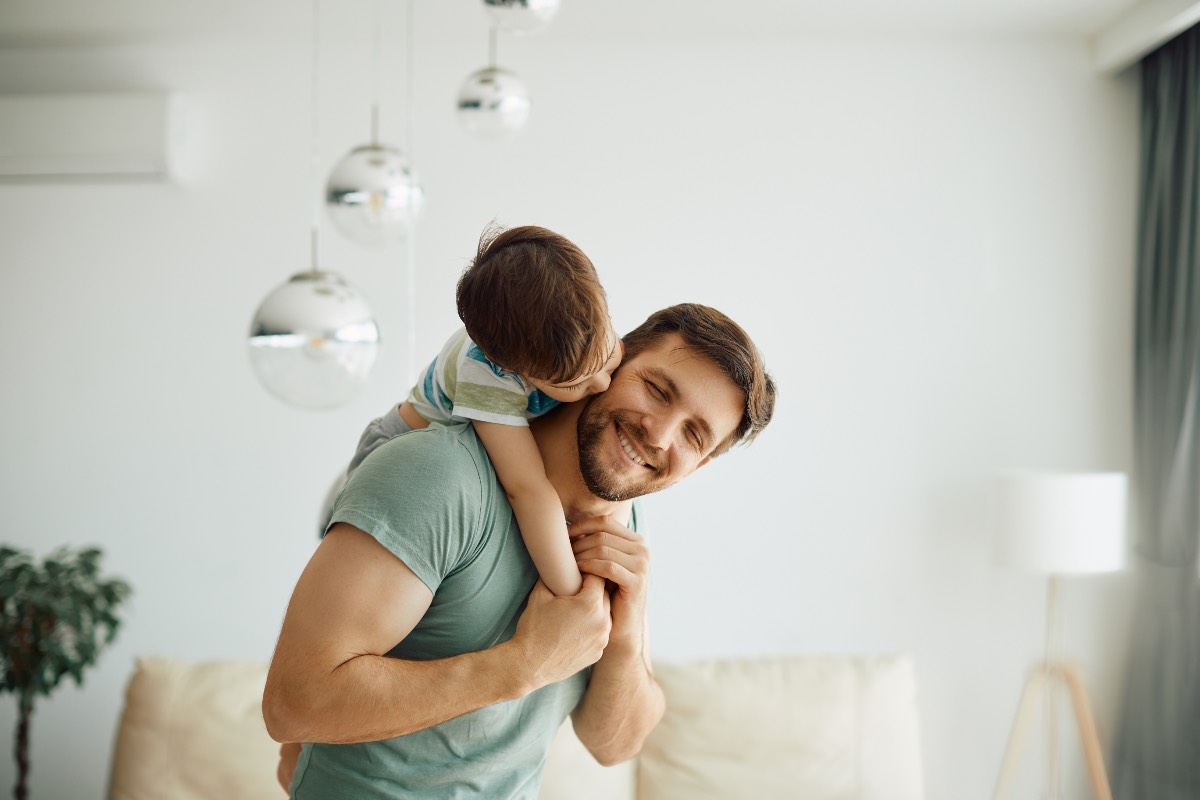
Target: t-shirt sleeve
<point>636,523</point>
<point>419,495</point>
<point>484,392</point>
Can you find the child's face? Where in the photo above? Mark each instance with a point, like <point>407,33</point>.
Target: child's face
<point>589,384</point>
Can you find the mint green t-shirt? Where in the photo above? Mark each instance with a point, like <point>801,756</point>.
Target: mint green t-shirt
<point>432,498</point>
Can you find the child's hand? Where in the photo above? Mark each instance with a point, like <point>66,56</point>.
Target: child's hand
<point>607,548</point>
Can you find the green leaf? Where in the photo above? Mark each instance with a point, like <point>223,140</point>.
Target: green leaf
<point>55,617</point>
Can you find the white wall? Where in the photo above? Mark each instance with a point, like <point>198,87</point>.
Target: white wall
<point>931,240</point>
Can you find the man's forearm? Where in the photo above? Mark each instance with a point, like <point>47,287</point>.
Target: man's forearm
<point>623,701</point>
<point>315,695</point>
<point>369,697</point>
<point>622,705</point>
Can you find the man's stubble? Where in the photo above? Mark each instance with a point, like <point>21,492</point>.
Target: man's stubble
<point>594,422</point>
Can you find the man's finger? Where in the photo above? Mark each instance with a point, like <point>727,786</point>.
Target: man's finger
<point>591,585</point>
<point>617,573</point>
<point>610,545</point>
<point>601,552</point>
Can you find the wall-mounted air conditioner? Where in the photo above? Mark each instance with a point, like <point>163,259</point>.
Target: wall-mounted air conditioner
<point>96,136</point>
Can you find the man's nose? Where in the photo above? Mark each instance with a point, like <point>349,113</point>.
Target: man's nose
<point>660,429</point>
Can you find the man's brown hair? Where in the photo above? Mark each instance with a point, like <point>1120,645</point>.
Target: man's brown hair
<point>531,300</point>
<point>721,340</point>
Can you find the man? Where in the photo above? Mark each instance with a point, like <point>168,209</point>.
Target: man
<point>424,552</point>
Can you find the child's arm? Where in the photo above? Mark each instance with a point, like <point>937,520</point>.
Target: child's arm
<point>289,754</point>
<point>538,508</point>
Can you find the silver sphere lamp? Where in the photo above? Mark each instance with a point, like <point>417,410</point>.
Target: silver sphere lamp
<point>372,196</point>
<point>313,341</point>
<point>493,103</point>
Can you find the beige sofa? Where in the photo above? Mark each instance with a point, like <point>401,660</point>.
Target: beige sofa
<point>811,728</point>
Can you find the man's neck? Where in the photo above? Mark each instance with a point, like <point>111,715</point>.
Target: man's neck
<point>558,441</point>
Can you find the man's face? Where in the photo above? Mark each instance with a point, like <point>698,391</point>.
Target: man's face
<point>666,411</point>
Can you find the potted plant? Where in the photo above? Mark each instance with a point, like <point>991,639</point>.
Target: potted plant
<point>55,618</point>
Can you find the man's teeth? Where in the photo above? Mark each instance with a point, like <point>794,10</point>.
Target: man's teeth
<point>629,451</point>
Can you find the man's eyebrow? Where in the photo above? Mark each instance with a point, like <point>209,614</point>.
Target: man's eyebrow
<point>706,432</point>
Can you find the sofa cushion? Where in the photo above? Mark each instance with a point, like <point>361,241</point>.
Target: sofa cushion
<point>194,732</point>
<point>817,728</point>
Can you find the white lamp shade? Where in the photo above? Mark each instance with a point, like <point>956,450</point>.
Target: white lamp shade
<point>1062,523</point>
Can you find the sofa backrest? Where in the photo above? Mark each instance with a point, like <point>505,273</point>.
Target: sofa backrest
<point>817,728</point>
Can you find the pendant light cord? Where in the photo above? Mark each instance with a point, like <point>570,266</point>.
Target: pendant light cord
<point>315,155</point>
<point>411,239</point>
<point>375,76</point>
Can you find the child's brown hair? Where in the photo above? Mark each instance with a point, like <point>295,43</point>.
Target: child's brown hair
<point>531,300</point>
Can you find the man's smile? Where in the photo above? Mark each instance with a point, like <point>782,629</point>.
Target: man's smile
<point>628,448</point>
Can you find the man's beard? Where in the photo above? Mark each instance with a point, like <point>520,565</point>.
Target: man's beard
<point>594,422</point>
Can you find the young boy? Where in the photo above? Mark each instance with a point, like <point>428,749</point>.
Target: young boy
<point>537,333</point>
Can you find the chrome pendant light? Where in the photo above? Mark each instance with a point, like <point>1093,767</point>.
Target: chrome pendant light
<point>372,195</point>
<point>313,341</point>
<point>493,103</point>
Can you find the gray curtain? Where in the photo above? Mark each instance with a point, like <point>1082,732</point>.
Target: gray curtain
<point>1157,747</point>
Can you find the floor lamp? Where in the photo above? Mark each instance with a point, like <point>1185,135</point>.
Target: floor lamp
<point>1059,524</point>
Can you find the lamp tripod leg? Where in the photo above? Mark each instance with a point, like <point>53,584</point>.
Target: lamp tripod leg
<point>1025,712</point>
<point>1089,739</point>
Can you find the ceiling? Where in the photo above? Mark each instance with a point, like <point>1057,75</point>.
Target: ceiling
<point>25,23</point>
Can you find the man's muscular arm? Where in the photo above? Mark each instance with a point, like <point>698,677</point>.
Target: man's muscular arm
<point>623,702</point>
<point>331,682</point>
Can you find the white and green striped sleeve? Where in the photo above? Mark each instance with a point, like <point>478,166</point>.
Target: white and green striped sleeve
<point>482,391</point>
